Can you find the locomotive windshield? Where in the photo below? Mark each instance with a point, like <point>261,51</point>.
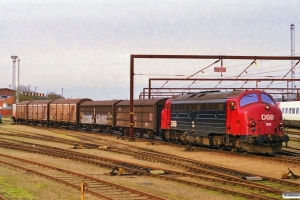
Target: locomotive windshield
<point>253,98</point>
<point>267,99</point>
<point>248,99</point>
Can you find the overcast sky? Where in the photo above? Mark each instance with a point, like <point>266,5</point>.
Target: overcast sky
<point>84,47</point>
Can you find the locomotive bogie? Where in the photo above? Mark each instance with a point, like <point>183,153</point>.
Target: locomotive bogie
<point>200,140</point>
<point>261,148</point>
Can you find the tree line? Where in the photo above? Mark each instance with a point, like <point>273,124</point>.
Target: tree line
<point>49,95</point>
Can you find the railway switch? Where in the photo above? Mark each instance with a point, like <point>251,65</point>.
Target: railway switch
<point>285,175</point>
<point>78,146</point>
<point>119,169</point>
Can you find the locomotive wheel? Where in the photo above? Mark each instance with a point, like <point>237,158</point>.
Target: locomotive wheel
<point>234,149</point>
<point>163,136</point>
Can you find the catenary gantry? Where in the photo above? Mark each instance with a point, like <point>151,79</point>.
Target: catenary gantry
<point>218,57</point>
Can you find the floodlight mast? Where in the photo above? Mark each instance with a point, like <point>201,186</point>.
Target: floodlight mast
<point>13,86</point>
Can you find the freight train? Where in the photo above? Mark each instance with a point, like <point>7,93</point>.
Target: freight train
<point>236,120</point>
<point>291,113</point>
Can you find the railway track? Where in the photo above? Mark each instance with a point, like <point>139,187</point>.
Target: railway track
<point>96,187</point>
<point>287,156</point>
<point>141,171</point>
<point>158,157</point>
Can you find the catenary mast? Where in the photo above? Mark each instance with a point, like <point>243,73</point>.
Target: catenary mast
<point>292,61</point>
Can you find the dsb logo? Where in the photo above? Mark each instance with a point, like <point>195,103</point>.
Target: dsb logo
<point>267,117</point>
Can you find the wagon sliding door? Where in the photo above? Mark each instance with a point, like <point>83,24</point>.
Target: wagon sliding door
<point>87,114</point>
<point>53,112</point>
<point>72,113</point>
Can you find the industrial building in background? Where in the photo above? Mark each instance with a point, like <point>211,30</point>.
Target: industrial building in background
<point>8,99</point>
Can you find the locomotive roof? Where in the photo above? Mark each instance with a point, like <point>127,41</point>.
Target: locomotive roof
<point>219,95</point>
<point>209,96</point>
<point>100,103</point>
<point>142,102</point>
<point>69,101</point>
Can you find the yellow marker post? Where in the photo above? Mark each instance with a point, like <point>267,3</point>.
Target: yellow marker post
<point>82,190</point>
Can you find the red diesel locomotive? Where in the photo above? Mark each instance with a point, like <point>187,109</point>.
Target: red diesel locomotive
<point>236,120</point>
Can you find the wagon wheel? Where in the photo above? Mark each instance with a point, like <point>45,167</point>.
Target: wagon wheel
<point>163,136</point>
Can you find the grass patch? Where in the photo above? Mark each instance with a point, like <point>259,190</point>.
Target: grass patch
<point>11,191</point>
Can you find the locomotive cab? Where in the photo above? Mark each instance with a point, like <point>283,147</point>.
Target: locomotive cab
<point>255,118</point>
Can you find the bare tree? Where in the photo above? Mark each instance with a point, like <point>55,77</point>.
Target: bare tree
<point>24,88</point>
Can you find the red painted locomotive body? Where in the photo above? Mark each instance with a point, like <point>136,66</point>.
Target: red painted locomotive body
<point>237,120</point>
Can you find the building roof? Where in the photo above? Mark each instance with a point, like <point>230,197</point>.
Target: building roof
<point>6,89</point>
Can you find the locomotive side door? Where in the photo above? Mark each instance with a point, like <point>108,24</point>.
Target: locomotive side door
<point>166,115</point>
<point>232,118</point>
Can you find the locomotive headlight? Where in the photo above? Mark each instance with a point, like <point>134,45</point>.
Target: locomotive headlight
<point>267,107</point>
<point>232,106</point>
<point>281,126</point>
<point>252,124</point>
